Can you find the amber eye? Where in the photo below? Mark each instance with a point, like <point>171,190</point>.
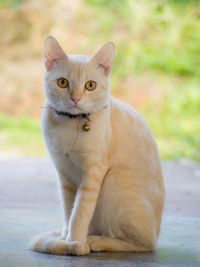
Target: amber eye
<point>90,85</point>
<point>62,82</point>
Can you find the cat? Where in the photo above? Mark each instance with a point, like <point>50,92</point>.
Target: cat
<point>105,157</point>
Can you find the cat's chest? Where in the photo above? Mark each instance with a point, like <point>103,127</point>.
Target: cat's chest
<point>65,145</point>
<point>72,147</point>
<point>61,138</point>
<point>69,138</point>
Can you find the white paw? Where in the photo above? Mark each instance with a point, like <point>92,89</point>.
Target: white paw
<point>49,242</point>
<point>77,248</point>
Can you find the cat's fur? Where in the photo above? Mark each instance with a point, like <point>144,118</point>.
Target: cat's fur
<point>110,177</point>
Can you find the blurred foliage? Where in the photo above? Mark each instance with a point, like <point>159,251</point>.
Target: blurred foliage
<point>21,135</point>
<point>157,65</point>
<point>15,4</point>
<point>175,121</point>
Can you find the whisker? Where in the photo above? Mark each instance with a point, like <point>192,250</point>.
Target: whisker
<point>47,106</point>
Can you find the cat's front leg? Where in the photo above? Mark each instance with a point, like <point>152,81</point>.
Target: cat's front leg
<point>85,203</point>
<point>68,193</point>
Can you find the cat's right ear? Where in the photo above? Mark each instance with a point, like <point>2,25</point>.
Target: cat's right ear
<point>52,52</point>
<point>104,57</point>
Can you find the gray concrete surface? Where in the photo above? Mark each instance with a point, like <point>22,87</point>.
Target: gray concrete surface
<point>179,243</point>
<point>29,205</point>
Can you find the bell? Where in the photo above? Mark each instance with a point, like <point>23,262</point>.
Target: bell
<point>86,127</point>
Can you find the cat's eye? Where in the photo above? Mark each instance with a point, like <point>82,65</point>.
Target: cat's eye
<point>62,82</point>
<point>90,85</point>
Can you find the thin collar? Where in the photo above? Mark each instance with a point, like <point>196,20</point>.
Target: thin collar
<point>69,115</point>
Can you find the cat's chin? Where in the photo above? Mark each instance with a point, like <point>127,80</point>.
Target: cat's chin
<point>75,111</point>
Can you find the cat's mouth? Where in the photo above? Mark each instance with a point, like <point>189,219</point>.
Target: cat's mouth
<point>75,108</point>
<point>67,114</point>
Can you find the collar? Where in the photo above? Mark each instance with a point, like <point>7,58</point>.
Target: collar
<point>69,115</point>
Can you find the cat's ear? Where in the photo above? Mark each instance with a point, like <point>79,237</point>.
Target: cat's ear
<point>104,57</point>
<point>52,52</point>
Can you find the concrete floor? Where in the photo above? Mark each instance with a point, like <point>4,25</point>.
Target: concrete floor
<point>29,205</point>
<point>179,243</point>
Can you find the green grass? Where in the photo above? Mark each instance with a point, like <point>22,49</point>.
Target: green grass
<point>21,135</point>
<point>175,120</point>
<point>156,35</point>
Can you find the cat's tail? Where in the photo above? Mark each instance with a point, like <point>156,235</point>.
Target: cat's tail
<point>49,242</point>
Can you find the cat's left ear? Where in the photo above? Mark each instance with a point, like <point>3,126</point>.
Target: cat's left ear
<point>52,52</point>
<point>104,57</point>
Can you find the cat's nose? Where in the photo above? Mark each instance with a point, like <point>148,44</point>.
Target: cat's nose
<point>75,99</point>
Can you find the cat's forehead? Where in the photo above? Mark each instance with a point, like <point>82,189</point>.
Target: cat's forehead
<point>75,67</point>
<point>78,59</point>
<point>77,64</point>
<point>79,67</point>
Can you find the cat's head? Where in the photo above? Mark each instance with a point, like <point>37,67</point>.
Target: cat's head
<point>75,83</point>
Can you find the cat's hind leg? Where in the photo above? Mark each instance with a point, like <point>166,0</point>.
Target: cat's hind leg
<point>125,219</point>
<point>105,243</point>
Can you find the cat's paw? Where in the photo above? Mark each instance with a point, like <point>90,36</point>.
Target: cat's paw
<point>93,242</point>
<point>77,248</point>
<point>49,242</point>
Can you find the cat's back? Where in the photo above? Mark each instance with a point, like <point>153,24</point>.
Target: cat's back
<point>126,118</point>
<point>132,141</point>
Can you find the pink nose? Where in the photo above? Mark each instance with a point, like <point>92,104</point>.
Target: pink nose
<point>75,99</point>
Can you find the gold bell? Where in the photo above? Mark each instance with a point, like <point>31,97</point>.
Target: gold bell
<point>86,127</point>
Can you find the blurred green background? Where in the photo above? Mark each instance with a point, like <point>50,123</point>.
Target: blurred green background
<point>156,70</point>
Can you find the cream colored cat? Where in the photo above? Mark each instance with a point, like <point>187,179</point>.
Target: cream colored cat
<point>105,157</point>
